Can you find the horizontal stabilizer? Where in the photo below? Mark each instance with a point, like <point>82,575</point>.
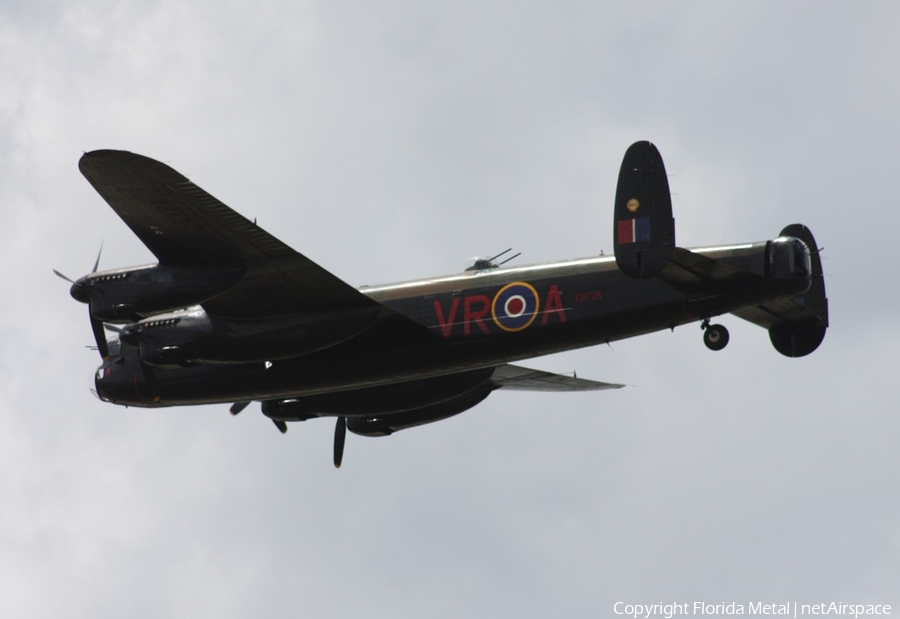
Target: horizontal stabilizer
<point>691,272</point>
<point>644,228</point>
<point>526,379</point>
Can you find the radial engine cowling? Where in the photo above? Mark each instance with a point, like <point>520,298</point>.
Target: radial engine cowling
<point>127,294</point>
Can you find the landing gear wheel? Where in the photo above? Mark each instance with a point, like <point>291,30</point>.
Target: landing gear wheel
<point>715,337</point>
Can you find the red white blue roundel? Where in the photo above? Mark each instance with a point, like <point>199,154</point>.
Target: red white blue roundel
<point>515,306</point>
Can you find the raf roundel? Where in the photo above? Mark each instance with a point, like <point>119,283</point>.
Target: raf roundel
<point>515,306</point>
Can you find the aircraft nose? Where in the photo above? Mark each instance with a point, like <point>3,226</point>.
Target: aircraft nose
<point>99,385</point>
<point>113,385</point>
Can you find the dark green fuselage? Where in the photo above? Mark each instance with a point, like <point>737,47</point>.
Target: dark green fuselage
<point>473,320</point>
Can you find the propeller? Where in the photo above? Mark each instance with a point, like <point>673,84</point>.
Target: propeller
<point>65,277</point>
<point>99,335</point>
<point>97,261</point>
<point>96,324</point>
<point>340,433</point>
<point>237,407</point>
<point>79,291</point>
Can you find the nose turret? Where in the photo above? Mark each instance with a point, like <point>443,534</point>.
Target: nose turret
<point>121,380</point>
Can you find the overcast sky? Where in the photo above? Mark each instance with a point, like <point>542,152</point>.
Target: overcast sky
<point>395,140</point>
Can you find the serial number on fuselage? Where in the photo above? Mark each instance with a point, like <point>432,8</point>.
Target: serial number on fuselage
<point>587,297</point>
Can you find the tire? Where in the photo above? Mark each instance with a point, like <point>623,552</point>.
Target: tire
<point>715,337</point>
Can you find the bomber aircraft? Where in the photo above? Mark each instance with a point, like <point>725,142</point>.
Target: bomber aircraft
<point>230,314</point>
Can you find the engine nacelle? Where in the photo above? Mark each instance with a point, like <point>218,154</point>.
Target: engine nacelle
<point>191,336</point>
<point>169,339</point>
<point>123,295</point>
<point>388,424</point>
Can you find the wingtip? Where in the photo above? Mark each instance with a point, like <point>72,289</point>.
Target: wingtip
<point>111,166</point>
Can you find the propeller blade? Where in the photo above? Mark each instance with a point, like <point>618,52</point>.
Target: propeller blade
<point>237,407</point>
<point>97,261</point>
<point>65,277</point>
<point>282,426</point>
<point>340,433</point>
<point>100,336</point>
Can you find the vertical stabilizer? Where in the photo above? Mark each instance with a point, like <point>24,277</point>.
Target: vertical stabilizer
<point>803,330</point>
<point>644,227</point>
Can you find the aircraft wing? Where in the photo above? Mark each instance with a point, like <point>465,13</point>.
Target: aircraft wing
<point>525,379</point>
<point>185,227</point>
